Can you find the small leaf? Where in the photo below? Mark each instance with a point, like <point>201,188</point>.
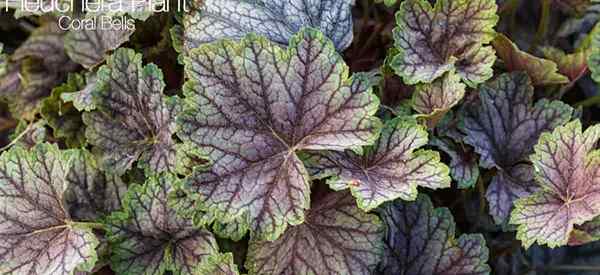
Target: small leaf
<point>503,127</point>
<point>37,236</point>
<point>278,21</point>
<point>506,187</point>
<point>336,238</point>
<point>251,105</point>
<point>388,170</point>
<point>149,238</point>
<point>449,36</point>
<point>91,194</point>
<point>134,121</point>
<point>567,169</point>
<point>542,71</point>
<point>89,47</point>
<point>433,100</point>
<point>420,240</point>
<point>83,100</point>
<point>64,119</point>
<point>464,168</point>
<point>221,264</point>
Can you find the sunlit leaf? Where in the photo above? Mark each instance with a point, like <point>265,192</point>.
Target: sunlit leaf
<point>420,240</point>
<point>568,171</point>
<point>336,238</point>
<point>392,168</point>
<point>448,36</point>
<point>37,235</point>
<point>134,121</point>
<point>541,71</point>
<point>573,65</point>
<point>251,105</point>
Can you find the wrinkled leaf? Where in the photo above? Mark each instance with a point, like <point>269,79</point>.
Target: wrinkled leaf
<point>541,71</point>
<point>251,105</point>
<point>567,169</point>
<point>503,127</point>
<point>420,240</point>
<point>90,47</point>
<point>278,21</point>
<point>392,168</point>
<point>134,121</point>
<point>65,120</point>
<point>149,238</point>
<point>594,57</point>
<point>188,158</point>
<point>506,187</point>
<point>336,238</point>
<point>448,36</point>
<point>92,194</point>
<point>37,236</point>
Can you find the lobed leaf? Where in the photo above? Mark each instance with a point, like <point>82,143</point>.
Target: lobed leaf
<point>448,36</point>
<point>91,194</point>
<point>336,238</point>
<point>37,235</point>
<point>221,264</point>
<point>134,121</point>
<point>420,240</point>
<point>503,127</point>
<point>388,170</point>
<point>149,238</point>
<point>277,21</point>
<point>541,71</point>
<point>251,105</point>
<point>434,99</point>
<point>573,65</point>
<point>464,168</point>
<point>82,99</point>
<point>566,169</point>
<point>89,47</point>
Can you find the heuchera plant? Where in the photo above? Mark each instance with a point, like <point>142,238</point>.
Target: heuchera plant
<point>313,137</point>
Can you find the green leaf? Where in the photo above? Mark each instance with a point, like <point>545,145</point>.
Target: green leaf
<point>392,168</point>
<point>220,264</point>
<point>64,119</point>
<point>3,61</point>
<point>594,57</point>
<point>448,36</point>
<point>251,105</point>
<point>149,238</point>
<point>336,238</point>
<point>83,99</point>
<point>433,100</point>
<point>541,71</point>
<point>568,171</point>
<point>134,121</point>
<point>573,65</point>
<point>37,235</point>
<point>420,240</point>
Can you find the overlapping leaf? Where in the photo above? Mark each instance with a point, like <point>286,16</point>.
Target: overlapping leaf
<point>541,71</point>
<point>37,235</point>
<point>336,238</point>
<point>392,168</point>
<point>91,194</point>
<point>134,121</point>
<point>221,264</point>
<point>568,171</point>
<point>420,240</point>
<point>433,100</point>
<point>64,119</point>
<point>89,47</point>
<point>503,127</point>
<point>464,168</point>
<point>449,36</point>
<point>278,21</point>
<point>251,105</point>
<point>149,237</point>
<point>83,99</point>
<point>573,65</point>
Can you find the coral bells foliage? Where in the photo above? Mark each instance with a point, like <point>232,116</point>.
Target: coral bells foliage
<point>312,137</point>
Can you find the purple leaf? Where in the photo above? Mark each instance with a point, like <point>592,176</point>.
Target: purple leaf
<point>251,105</point>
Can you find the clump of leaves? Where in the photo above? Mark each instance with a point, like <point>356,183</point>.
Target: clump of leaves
<point>264,149</point>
